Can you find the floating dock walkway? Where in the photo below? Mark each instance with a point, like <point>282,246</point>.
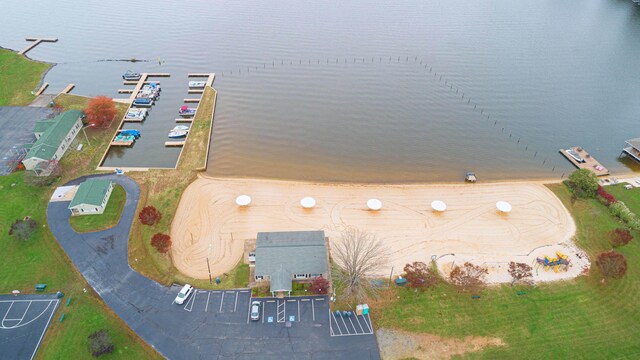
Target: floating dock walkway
<point>589,162</point>
<point>36,42</point>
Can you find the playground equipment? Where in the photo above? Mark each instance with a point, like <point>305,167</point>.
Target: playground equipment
<point>559,263</point>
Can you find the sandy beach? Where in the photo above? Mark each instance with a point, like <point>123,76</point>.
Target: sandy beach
<point>209,224</point>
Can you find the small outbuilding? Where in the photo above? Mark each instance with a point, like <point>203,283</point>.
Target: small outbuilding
<point>91,197</point>
<point>285,257</point>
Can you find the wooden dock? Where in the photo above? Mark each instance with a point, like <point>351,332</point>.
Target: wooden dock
<point>191,100</point>
<point>200,91</point>
<point>36,42</point>
<point>121,143</point>
<point>133,120</point>
<point>42,89</point>
<point>125,91</point>
<point>174,143</point>
<point>68,89</point>
<point>184,120</point>
<point>589,162</point>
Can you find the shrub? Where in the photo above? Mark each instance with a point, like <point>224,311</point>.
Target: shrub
<point>608,198</point>
<point>586,181</point>
<point>101,111</point>
<point>620,237</point>
<point>420,276</point>
<point>100,343</point>
<point>23,229</point>
<point>622,212</point>
<point>612,264</point>
<point>149,215</point>
<point>468,277</point>
<point>320,285</point>
<point>519,272</point>
<point>161,242</point>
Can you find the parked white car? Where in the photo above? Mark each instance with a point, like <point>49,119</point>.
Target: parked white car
<point>255,310</point>
<point>184,294</point>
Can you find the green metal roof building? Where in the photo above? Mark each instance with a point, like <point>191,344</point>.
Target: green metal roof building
<point>91,197</point>
<point>283,257</point>
<point>53,139</point>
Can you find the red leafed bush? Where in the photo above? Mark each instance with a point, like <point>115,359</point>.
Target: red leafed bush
<point>149,215</point>
<point>162,242</point>
<point>100,111</point>
<point>606,196</point>
<point>419,275</point>
<point>620,237</point>
<point>320,285</point>
<point>612,264</point>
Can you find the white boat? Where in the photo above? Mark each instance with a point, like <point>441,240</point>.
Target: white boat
<point>197,84</point>
<point>136,114</point>
<point>177,134</point>
<point>180,127</point>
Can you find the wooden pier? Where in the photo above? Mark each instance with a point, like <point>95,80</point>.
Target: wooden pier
<point>184,120</point>
<point>121,143</point>
<point>68,89</point>
<point>191,100</point>
<point>589,162</point>
<point>174,143</point>
<point>133,120</point>
<point>195,91</point>
<point>42,89</point>
<point>36,42</point>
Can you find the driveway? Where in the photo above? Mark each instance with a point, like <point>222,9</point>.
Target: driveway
<point>212,324</point>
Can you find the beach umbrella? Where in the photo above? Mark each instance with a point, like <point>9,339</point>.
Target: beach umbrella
<point>438,205</point>
<point>243,200</point>
<point>503,206</point>
<point>374,204</point>
<point>308,202</point>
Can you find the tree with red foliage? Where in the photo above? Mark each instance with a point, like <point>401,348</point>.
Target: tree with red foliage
<point>612,264</point>
<point>610,199</point>
<point>468,277</point>
<point>320,286</point>
<point>101,111</point>
<point>620,237</point>
<point>149,215</point>
<point>162,242</point>
<point>419,275</point>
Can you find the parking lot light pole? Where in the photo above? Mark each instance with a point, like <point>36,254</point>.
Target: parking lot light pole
<point>85,133</point>
<point>208,267</point>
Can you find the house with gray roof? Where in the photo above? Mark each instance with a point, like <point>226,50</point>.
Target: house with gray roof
<point>54,136</point>
<point>91,197</point>
<point>285,257</point>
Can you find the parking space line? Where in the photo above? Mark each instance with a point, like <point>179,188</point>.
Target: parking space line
<point>336,320</point>
<point>244,291</point>
<point>368,324</point>
<point>283,311</point>
<point>345,324</point>
<point>191,301</point>
<point>353,325</point>
<point>290,300</point>
<point>298,311</point>
<point>221,302</point>
<point>313,310</point>
<point>360,325</point>
<point>271,301</point>
<point>264,306</point>
<point>235,306</point>
<point>249,311</point>
<point>206,307</point>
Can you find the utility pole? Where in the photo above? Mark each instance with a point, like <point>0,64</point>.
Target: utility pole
<point>208,267</point>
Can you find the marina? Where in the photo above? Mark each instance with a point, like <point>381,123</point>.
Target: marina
<point>581,159</point>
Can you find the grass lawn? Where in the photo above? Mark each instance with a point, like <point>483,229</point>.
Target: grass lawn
<point>106,220</point>
<point>18,76</point>
<point>581,318</point>
<point>41,260</point>
<point>163,189</point>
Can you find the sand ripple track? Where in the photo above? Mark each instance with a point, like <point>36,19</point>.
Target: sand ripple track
<point>208,223</point>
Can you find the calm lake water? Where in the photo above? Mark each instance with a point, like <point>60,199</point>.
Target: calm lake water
<point>363,91</point>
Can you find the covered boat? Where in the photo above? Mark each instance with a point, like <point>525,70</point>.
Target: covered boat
<point>197,84</point>
<point>143,102</point>
<point>180,127</point>
<point>177,134</point>
<point>131,76</point>
<point>186,111</point>
<point>132,132</point>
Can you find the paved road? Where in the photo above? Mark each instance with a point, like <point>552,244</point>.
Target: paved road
<point>212,324</point>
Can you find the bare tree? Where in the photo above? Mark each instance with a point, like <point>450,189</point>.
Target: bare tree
<point>359,256</point>
<point>468,277</point>
<point>520,272</point>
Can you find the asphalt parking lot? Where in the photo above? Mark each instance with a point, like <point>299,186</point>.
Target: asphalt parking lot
<point>17,124</point>
<point>291,309</point>
<point>24,320</point>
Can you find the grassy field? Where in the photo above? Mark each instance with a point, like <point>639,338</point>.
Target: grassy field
<point>41,260</point>
<point>162,189</point>
<point>18,76</point>
<point>106,220</point>
<point>581,318</point>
